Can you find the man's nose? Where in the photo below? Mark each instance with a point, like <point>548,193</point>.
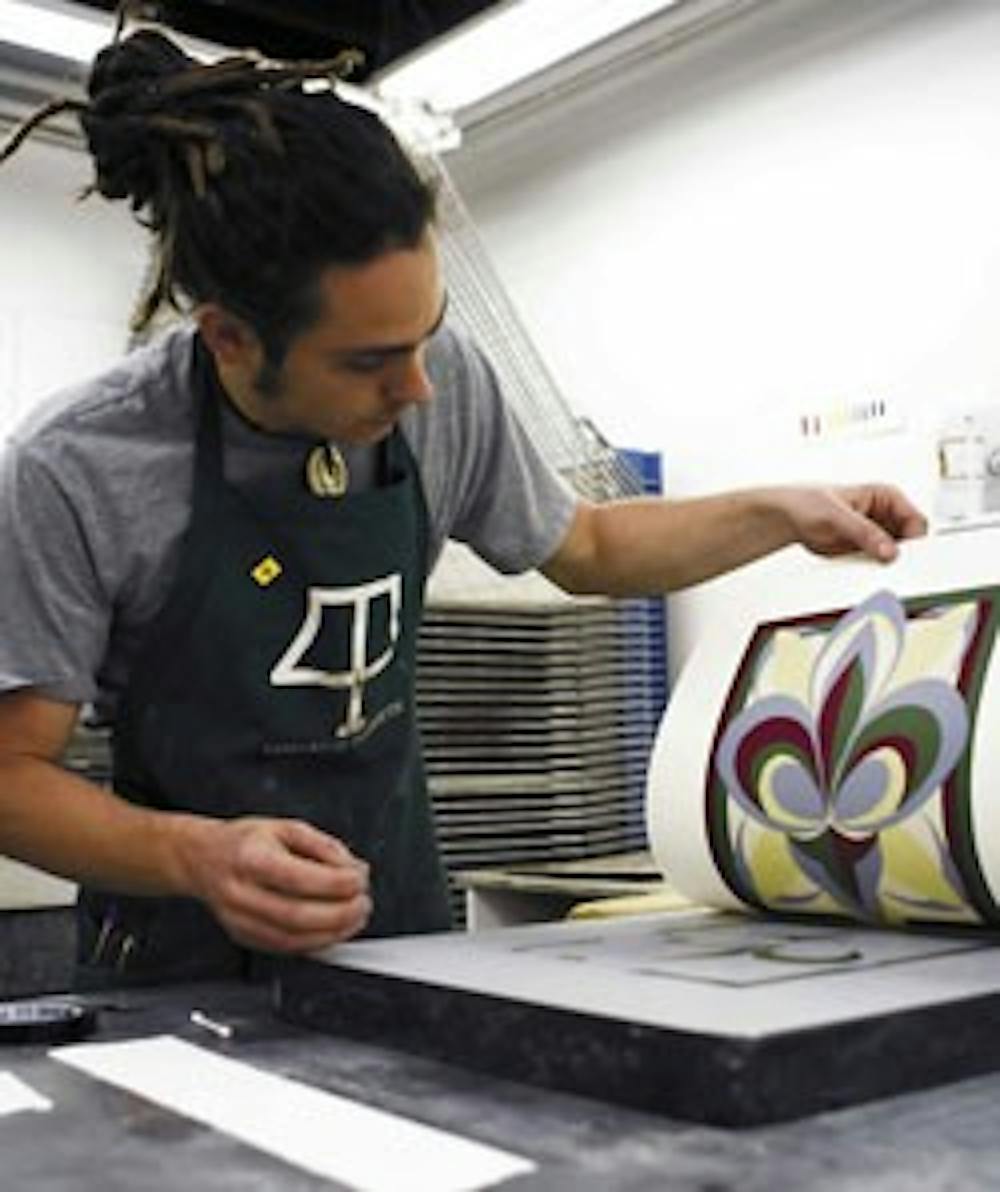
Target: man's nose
<point>412,385</point>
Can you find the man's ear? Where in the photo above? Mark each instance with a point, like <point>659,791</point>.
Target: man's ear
<point>232,342</point>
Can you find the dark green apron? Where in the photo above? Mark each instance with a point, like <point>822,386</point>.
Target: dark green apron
<point>278,681</point>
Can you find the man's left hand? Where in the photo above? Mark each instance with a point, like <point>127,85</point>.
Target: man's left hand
<point>864,517</point>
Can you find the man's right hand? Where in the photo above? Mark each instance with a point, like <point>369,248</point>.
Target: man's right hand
<point>277,885</point>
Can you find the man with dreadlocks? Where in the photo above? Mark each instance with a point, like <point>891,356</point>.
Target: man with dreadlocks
<point>224,540</point>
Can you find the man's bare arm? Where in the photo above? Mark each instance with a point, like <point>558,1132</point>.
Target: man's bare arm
<point>274,884</point>
<point>648,545</point>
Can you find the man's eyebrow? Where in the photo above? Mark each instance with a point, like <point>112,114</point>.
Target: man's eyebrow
<point>398,349</point>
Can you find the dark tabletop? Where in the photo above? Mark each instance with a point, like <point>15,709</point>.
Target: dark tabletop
<point>101,1139</point>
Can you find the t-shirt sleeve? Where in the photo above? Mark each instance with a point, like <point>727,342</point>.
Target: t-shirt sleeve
<point>54,614</point>
<point>487,483</point>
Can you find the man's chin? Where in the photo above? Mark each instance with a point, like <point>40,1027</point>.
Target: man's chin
<point>375,434</point>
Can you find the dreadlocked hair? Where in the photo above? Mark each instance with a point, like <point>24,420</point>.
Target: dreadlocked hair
<point>251,185</point>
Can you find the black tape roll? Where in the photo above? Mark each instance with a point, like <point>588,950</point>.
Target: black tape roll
<point>40,1021</point>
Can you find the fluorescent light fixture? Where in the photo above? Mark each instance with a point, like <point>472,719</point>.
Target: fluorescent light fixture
<point>505,45</point>
<point>67,32</point>
<point>72,32</point>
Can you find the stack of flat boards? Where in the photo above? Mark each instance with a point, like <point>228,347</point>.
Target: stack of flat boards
<point>537,722</point>
<point>89,754</point>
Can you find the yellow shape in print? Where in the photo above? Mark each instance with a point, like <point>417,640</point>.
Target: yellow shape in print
<point>775,871</point>
<point>266,571</point>
<point>936,645</point>
<point>788,667</point>
<point>912,870</point>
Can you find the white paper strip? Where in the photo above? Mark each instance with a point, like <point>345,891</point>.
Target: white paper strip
<point>15,1095</point>
<point>367,1149</point>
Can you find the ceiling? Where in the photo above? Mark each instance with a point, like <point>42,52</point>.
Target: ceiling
<point>384,29</point>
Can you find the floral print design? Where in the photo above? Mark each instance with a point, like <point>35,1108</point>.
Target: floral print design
<point>818,781</point>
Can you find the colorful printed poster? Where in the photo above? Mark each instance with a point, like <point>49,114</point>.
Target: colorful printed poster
<point>841,760</point>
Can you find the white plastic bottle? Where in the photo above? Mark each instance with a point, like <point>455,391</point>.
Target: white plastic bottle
<point>961,493</point>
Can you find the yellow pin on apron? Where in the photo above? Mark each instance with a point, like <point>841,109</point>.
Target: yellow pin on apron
<point>266,571</point>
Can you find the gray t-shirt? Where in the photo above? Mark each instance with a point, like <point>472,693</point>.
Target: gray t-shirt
<point>95,494</point>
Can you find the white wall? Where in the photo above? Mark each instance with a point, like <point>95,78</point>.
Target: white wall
<point>799,212</point>
<point>68,279</point>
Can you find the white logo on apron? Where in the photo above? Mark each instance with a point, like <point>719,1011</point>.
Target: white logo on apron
<point>358,600</point>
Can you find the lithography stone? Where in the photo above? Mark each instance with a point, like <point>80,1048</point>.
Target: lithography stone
<point>719,1019</point>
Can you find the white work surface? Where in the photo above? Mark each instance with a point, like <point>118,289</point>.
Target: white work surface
<point>24,888</point>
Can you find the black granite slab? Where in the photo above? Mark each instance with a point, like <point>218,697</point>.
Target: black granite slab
<point>715,1079</point>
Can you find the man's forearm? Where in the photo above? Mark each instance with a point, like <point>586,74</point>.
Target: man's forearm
<point>275,884</point>
<point>59,822</point>
<point>647,546</point>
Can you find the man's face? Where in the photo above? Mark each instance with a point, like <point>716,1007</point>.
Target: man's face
<point>350,375</point>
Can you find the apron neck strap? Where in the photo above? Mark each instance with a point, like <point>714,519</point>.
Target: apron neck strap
<point>208,419</point>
